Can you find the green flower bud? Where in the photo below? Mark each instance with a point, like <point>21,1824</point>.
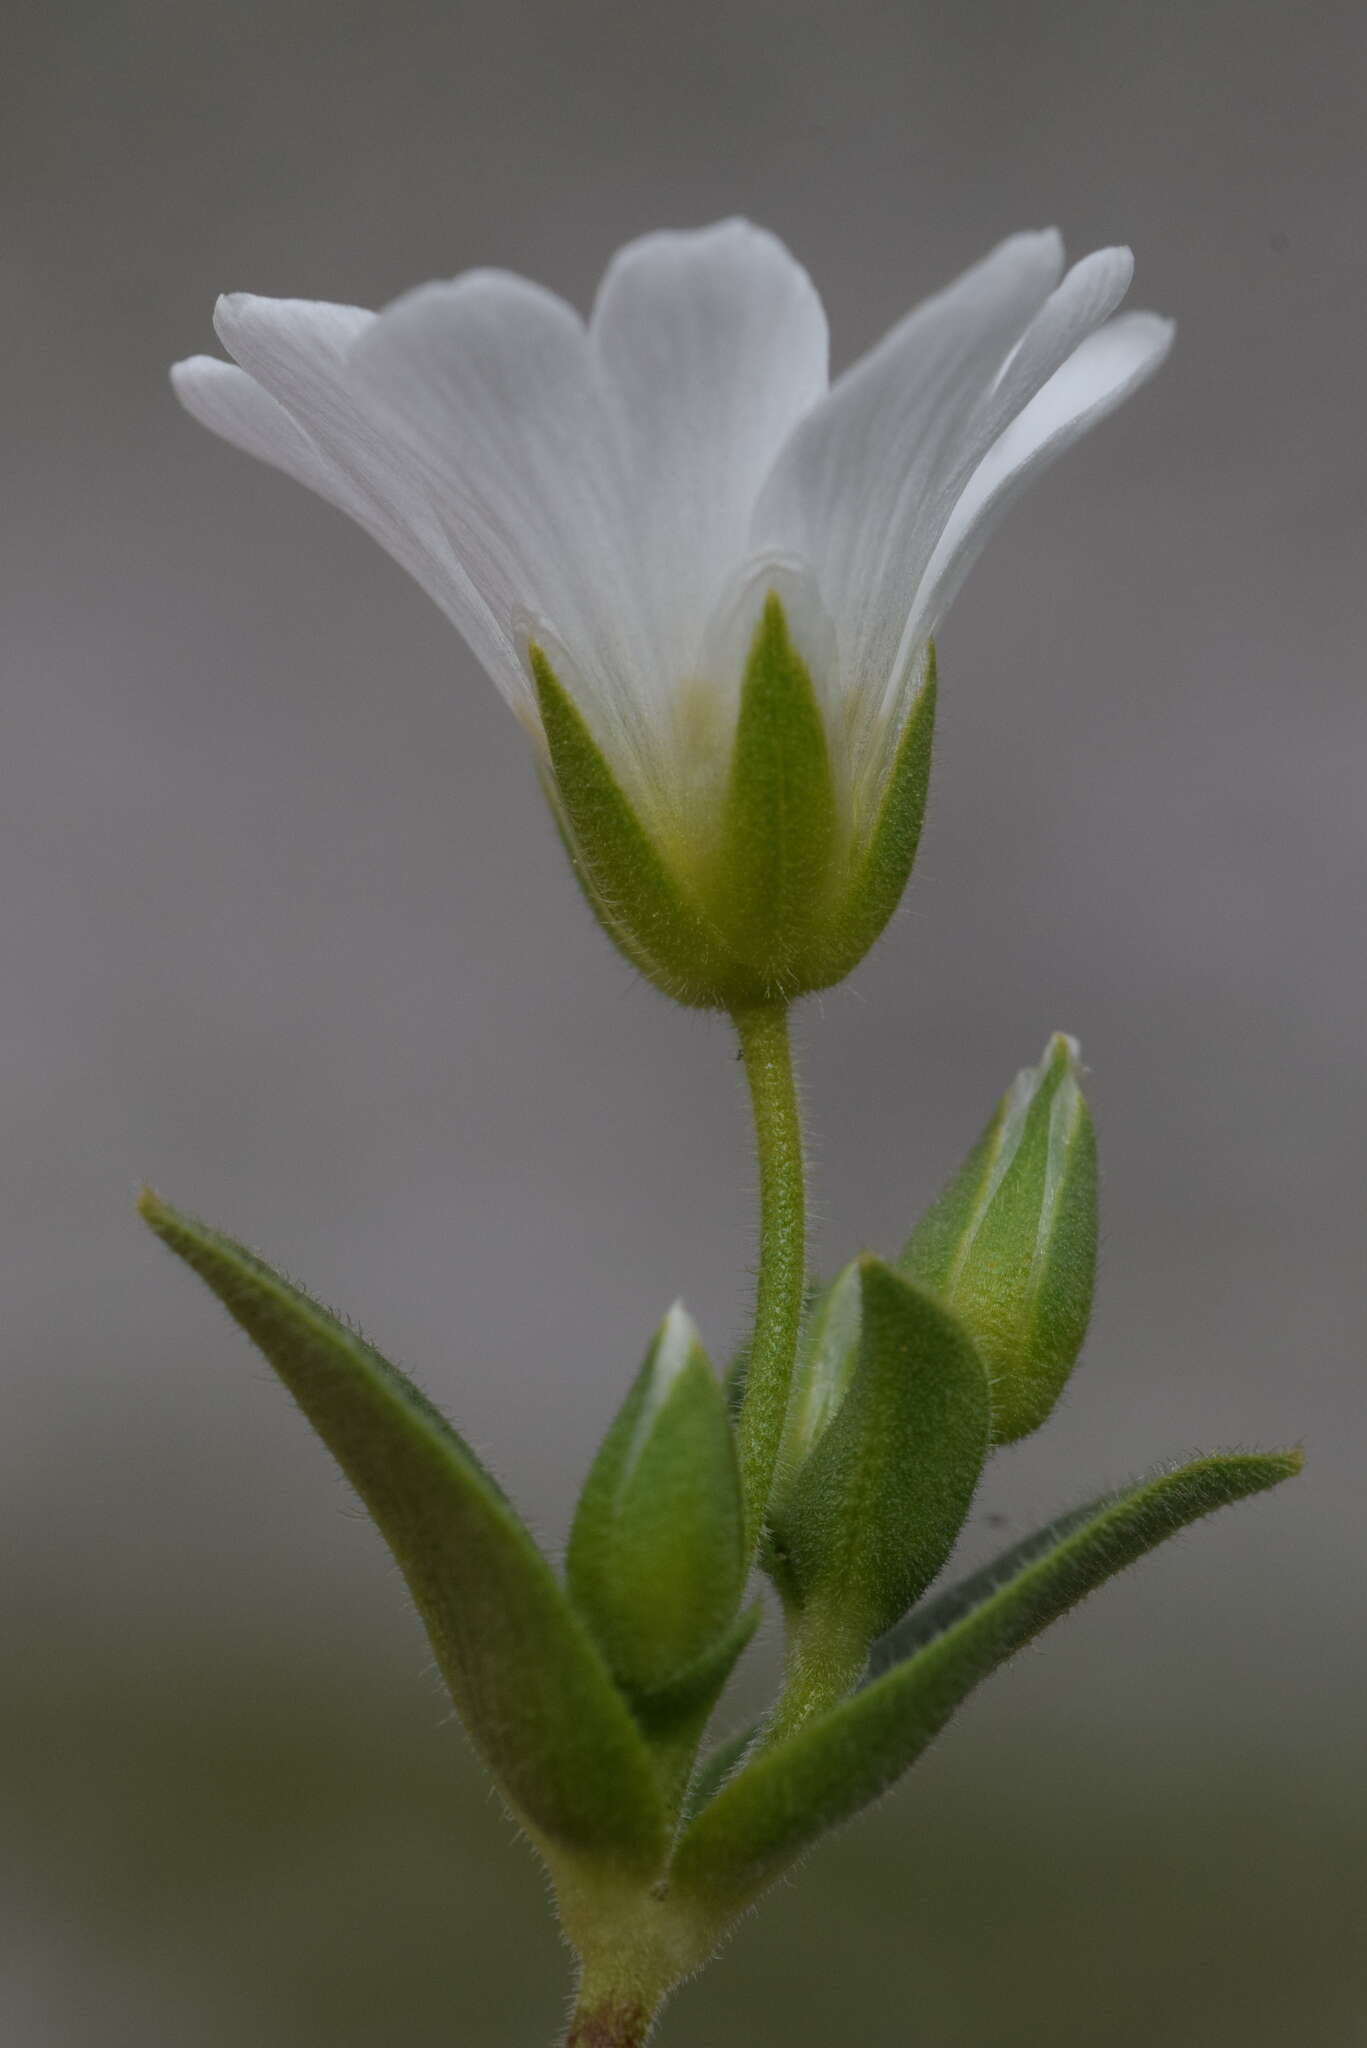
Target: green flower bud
<point>1010,1244</point>
<point>778,859</point>
<point>873,1512</point>
<point>656,1562</point>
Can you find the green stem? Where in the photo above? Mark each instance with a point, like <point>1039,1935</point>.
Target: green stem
<point>763,1032</point>
<point>824,1662</point>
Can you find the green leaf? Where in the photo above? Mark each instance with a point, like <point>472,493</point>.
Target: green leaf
<point>630,887</point>
<point>773,871</point>
<point>533,1692</point>
<point>875,1511</point>
<point>1010,1244</point>
<point>759,1823</point>
<point>656,1561</point>
<point>889,848</point>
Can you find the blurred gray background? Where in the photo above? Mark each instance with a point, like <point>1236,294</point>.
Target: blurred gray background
<point>287,932</point>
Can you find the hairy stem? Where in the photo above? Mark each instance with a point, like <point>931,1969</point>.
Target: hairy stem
<point>608,2023</point>
<point>824,1664</point>
<point>763,1032</point>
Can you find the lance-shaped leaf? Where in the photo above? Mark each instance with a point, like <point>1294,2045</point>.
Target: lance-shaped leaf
<point>874,1512</point>
<point>773,868</point>
<point>631,889</point>
<point>535,1696</point>
<point>1011,1242</point>
<point>764,1818</point>
<point>656,1560</point>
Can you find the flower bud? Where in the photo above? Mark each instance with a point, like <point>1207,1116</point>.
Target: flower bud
<point>656,1564</point>
<point>873,1512</point>
<point>1010,1244</point>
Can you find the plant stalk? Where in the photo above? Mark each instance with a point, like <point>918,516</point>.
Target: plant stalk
<point>824,1664</point>
<point>765,1048</point>
<point>608,2023</point>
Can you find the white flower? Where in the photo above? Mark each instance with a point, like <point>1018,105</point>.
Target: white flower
<point>626,492</point>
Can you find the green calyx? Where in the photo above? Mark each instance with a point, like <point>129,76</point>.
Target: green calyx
<point>1010,1244</point>
<point>773,882</point>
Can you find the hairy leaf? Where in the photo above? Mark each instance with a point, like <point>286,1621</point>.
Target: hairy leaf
<point>775,1808</point>
<point>535,1695</point>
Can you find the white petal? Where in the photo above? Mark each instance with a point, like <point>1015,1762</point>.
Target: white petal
<point>230,403</point>
<point>298,350</point>
<point>1088,295</point>
<point>714,345</point>
<point>850,490</point>
<point>731,630</point>
<point>1097,378</point>
<point>498,400</point>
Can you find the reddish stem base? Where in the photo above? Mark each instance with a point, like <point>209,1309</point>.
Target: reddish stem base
<point>611,2025</point>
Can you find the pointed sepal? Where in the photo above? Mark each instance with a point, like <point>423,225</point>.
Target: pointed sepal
<point>764,1817</point>
<point>875,1510</point>
<point>1010,1244</point>
<point>885,849</point>
<point>656,1563</point>
<point>772,875</point>
<point>533,1691</point>
<point>632,889</point>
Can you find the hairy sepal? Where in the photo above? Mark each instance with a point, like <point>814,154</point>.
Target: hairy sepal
<point>631,888</point>
<point>885,845</point>
<point>1010,1244</point>
<point>770,882</point>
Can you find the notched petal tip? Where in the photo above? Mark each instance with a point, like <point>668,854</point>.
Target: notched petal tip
<point>1045,243</point>
<point>234,310</point>
<point>1114,263</point>
<point>191,373</point>
<point>472,297</point>
<point>736,233</point>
